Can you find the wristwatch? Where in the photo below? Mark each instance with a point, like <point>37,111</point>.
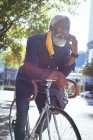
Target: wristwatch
<point>74,55</point>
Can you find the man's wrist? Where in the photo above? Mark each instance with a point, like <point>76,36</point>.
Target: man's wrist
<point>74,55</point>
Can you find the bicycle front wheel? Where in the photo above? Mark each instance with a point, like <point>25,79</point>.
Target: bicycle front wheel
<point>61,127</point>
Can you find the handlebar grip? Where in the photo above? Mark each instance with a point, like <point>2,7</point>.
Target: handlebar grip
<point>75,87</point>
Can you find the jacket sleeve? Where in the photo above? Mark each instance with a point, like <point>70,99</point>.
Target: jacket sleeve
<point>66,69</point>
<point>35,72</point>
<point>31,63</point>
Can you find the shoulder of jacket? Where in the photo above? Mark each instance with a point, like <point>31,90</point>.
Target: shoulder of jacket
<point>38,36</point>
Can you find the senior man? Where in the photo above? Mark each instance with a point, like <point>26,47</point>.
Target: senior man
<point>49,55</point>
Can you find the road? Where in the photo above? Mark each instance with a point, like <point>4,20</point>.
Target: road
<point>80,109</point>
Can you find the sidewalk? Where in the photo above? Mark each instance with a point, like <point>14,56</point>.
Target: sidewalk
<point>5,101</point>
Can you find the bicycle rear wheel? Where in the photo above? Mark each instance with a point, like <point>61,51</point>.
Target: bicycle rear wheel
<point>12,121</point>
<point>62,127</point>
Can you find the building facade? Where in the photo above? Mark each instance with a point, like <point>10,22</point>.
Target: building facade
<point>90,34</point>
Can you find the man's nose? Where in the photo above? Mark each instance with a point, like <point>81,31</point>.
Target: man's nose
<point>60,30</point>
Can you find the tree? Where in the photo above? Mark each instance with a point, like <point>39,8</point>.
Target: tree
<point>21,18</point>
<point>15,57</point>
<point>88,69</point>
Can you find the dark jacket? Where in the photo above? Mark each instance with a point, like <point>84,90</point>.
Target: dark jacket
<point>42,64</point>
<point>38,64</point>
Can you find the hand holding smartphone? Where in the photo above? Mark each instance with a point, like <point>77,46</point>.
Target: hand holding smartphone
<point>72,43</point>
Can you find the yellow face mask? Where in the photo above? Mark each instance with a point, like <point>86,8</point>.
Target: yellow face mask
<point>49,44</point>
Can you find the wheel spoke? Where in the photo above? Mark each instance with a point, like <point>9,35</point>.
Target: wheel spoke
<point>62,127</point>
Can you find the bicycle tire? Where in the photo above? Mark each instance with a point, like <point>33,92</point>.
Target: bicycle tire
<point>65,130</point>
<point>12,118</point>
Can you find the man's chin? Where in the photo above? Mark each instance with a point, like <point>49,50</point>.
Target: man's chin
<point>60,45</point>
<point>59,42</point>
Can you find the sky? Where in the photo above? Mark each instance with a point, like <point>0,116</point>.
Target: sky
<point>80,25</point>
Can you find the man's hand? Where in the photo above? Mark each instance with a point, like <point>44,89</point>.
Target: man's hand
<point>59,78</point>
<point>72,43</point>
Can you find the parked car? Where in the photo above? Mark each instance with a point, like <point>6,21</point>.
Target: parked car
<point>88,83</point>
<point>87,94</point>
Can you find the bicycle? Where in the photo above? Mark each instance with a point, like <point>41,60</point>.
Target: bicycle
<point>56,124</point>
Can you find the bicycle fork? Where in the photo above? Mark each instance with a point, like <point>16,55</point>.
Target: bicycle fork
<point>59,137</point>
<point>54,118</point>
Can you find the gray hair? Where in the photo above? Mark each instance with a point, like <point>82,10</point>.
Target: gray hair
<point>57,19</point>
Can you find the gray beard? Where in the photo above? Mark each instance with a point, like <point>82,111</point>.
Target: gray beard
<point>59,41</point>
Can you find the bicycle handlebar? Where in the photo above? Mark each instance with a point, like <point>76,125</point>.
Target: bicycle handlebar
<point>34,82</point>
<point>76,91</point>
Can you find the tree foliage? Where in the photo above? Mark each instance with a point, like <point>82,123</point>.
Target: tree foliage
<point>15,56</point>
<point>21,18</point>
<point>88,69</point>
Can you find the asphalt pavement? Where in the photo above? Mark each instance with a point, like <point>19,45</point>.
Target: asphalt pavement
<point>5,100</point>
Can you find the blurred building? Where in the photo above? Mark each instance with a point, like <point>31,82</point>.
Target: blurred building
<point>90,34</point>
<point>88,79</point>
<point>7,76</point>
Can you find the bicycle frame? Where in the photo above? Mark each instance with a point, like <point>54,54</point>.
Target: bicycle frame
<point>47,109</point>
<point>44,110</point>
<point>47,106</point>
